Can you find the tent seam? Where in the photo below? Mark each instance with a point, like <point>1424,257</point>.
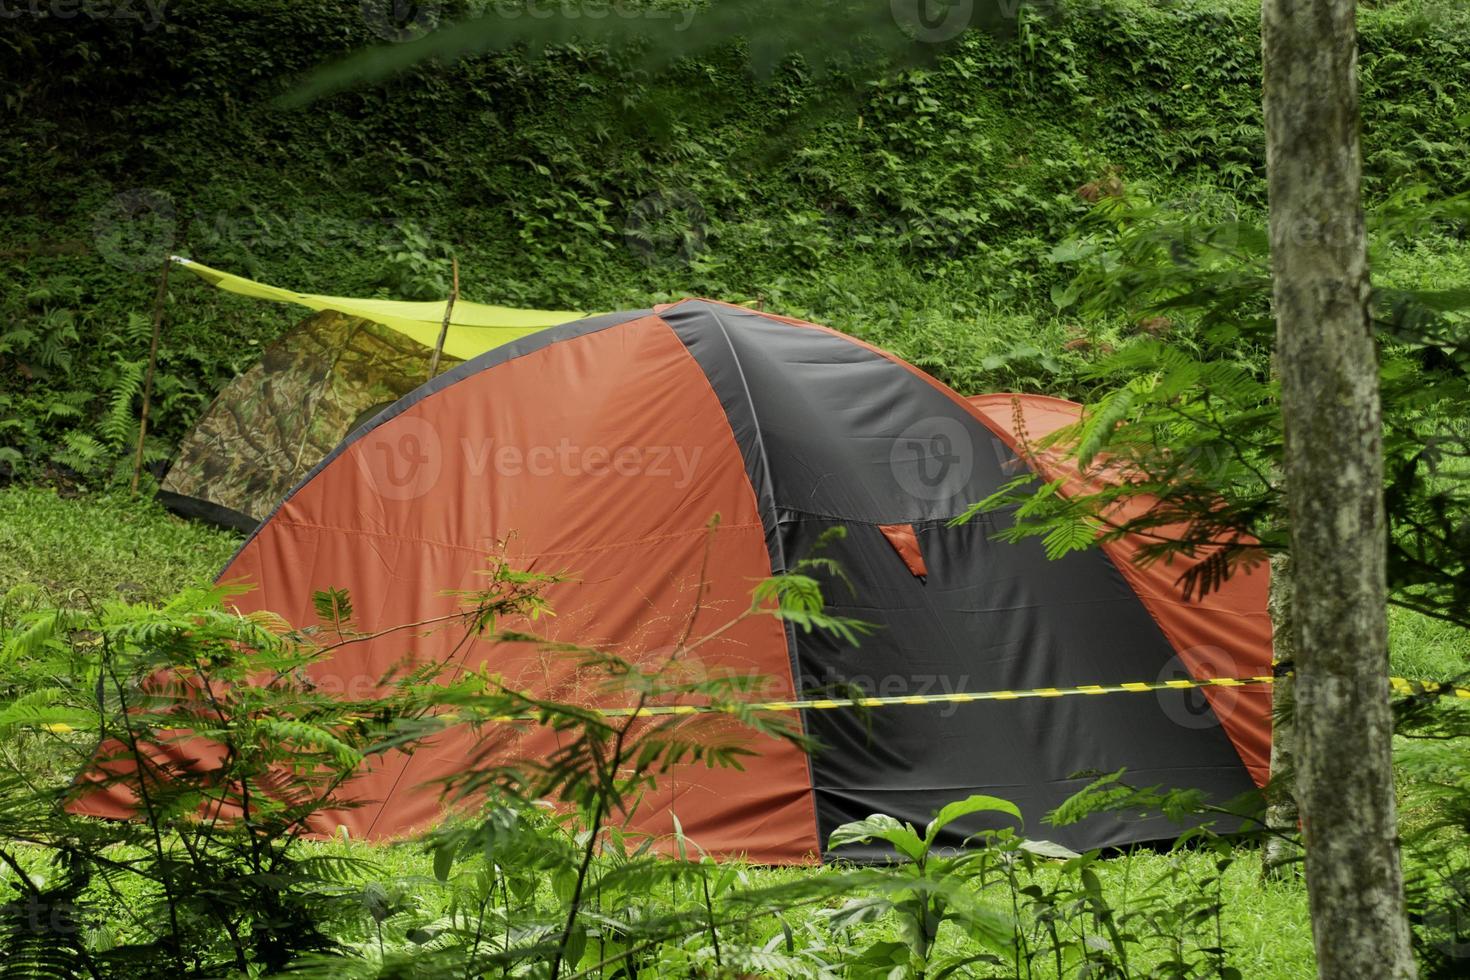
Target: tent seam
<point>788,630</point>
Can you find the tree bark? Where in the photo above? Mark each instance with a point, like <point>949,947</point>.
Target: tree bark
<point>1282,847</point>
<point>1334,477</point>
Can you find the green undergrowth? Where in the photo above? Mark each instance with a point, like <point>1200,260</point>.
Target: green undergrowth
<point>1264,924</point>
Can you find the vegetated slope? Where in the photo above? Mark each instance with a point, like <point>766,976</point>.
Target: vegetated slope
<point>917,211</point>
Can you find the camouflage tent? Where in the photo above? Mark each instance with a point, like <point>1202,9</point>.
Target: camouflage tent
<point>327,375</point>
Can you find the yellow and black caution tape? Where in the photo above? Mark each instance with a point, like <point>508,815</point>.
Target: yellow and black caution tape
<point>1400,685</point>
<point>1403,685</point>
<point>954,697</point>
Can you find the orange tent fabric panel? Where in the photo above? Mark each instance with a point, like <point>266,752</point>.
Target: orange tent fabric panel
<point>428,498</point>
<point>1224,634</point>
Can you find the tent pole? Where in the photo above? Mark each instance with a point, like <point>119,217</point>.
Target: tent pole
<point>158,303</point>
<point>444,327</point>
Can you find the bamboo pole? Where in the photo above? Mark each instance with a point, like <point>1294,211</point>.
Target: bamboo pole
<point>444,327</point>
<point>159,299</point>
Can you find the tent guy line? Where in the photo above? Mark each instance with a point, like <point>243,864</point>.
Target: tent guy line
<point>952,697</point>
<point>1400,685</point>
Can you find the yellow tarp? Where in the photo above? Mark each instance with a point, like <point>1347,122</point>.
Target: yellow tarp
<point>473,329</point>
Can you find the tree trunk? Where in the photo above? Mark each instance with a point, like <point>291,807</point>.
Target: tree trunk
<point>1334,479</point>
<point>1282,847</point>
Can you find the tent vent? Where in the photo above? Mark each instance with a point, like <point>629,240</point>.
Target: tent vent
<point>906,542</point>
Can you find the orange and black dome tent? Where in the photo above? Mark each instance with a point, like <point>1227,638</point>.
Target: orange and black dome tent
<point>602,447</point>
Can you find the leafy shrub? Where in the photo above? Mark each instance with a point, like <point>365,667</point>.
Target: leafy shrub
<point>553,178</point>
<point>209,722</point>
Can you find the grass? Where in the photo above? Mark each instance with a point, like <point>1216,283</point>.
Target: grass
<point>1264,925</point>
<point>1423,648</point>
<point>102,544</point>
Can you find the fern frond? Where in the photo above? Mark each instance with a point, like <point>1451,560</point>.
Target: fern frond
<point>118,426</point>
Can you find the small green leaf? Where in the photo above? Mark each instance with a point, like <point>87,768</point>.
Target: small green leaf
<point>1047,849</point>
<point>377,901</point>
<point>855,912</point>
<point>1063,296</point>
<point>443,861</point>
<point>571,953</point>
<point>960,808</point>
<point>882,827</point>
<point>333,606</point>
<point>563,884</point>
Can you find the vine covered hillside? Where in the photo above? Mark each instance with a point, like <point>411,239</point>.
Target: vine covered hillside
<point>916,209</point>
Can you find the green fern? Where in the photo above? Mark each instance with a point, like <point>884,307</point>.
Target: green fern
<point>118,427</point>
<point>1067,536</point>
<point>81,452</point>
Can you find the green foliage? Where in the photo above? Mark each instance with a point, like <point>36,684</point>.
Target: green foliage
<point>1184,415</point>
<point>1036,909</point>
<point>153,685</point>
<point>416,267</point>
<point>909,202</point>
<point>1433,733</point>
<point>931,892</point>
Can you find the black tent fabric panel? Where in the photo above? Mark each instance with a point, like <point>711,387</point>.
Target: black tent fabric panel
<point>829,428</point>
<point>995,616</point>
<point>835,434</point>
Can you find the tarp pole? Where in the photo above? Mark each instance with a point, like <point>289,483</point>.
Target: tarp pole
<point>448,312</point>
<point>158,304</point>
